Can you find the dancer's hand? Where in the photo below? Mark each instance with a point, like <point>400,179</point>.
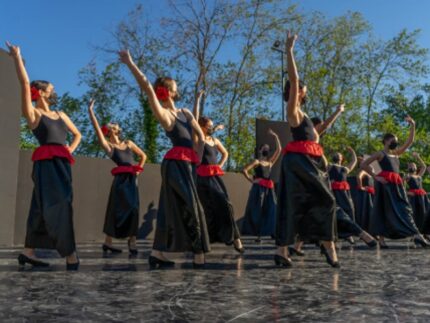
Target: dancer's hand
<point>291,40</point>
<point>381,180</point>
<point>271,132</point>
<point>350,149</point>
<point>91,105</point>
<point>415,154</point>
<point>219,127</point>
<point>125,57</point>
<point>409,120</point>
<point>14,51</point>
<point>200,94</point>
<point>341,107</point>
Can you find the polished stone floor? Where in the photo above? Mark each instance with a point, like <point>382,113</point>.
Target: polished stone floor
<point>372,286</point>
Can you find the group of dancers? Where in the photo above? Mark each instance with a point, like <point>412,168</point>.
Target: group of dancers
<point>313,203</point>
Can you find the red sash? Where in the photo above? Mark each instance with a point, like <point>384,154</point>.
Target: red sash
<point>51,151</point>
<point>391,177</point>
<point>182,153</point>
<point>133,169</point>
<point>340,186</point>
<point>310,148</point>
<point>370,189</point>
<point>268,183</point>
<point>209,170</point>
<point>418,191</point>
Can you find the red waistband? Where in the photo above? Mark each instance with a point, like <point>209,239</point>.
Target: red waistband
<point>182,153</point>
<point>391,177</point>
<point>340,186</point>
<point>209,170</point>
<point>311,148</point>
<point>133,169</point>
<point>370,189</point>
<point>418,191</point>
<point>268,183</point>
<point>51,151</point>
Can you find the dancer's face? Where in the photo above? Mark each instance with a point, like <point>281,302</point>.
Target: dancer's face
<point>302,92</point>
<point>114,128</point>
<point>173,92</point>
<point>208,129</point>
<point>337,158</point>
<point>412,168</point>
<point>391,143</point>
<point>49,95</point>
<point>264,150</point>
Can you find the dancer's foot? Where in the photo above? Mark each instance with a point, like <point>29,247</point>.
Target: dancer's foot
<point>238,246</point>
<point>293,251</point>
<point>24,259</point>
<point>368,239</point>
<point>132,248</point>
<point>329,251</point>
<point>72,262</point>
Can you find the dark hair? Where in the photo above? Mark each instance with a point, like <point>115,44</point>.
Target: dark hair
<point>40,84</point>
<point>336,157</point>
<point>287,90</point>
<point>166,82</point>
<point>203,121</point>
<point>316,120</point>
<point>387,137</point>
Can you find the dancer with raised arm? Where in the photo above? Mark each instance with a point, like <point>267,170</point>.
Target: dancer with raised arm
<point>181,223</point>
<point>392,215</point>
<point>122,213</point>
<point>306,205</point>
<point>260,212</point>
<point>50,220</point>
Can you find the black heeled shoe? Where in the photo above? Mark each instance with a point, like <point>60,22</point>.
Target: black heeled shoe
<point>23,259</point>
<point>383,245</point>
<point>293,251</point>
<point>334,264</point>
<point>282,262</point>
<point>107,248</point>
<point>133,252</point>
<point>154,263</point>
<point>239,250</point>
<point>372,244</point>
<point>74,266</point>
<point>421,242</point>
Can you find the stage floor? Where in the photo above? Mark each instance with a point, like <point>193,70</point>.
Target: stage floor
<point>372,286</point>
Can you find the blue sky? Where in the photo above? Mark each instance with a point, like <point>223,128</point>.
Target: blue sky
<point>57,37</point>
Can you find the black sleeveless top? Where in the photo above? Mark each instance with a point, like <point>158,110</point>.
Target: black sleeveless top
<point>368,180</point>
<point>338,173</point>
<point>304,131</point>
<point>180,135</point>
<point>262,171</point>
<point>51,131</point>
<point>415,182</point>
<point>123,157</point>
<point>210,154</point>
<point>390,163</point>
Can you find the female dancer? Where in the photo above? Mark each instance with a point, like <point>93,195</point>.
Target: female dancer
<point>122,213</point>
<point>364,197</point>
<point>212,191</point>
<point>345,220</point>
<point>306,205</point>
<point>50,221</point>
<point>260,212</point>
<point>417,195</point>
<point>392,215</point>
<point>181,224</point>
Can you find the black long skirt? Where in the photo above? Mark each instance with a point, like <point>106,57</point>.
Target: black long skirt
<point>122,213</point>
<point>306,205</point>
<point>181,224</point>
<point>346,226</point>
<point>392,215</point>
<point>218,209</point>
<point>260,212</point>
<point>50,220</point>
<point>420,207</point>
<point>363,209</point>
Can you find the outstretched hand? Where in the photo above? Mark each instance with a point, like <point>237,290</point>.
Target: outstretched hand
<point>91,105</point>
<point>271,132</point>
<point>14,51</point>
<point>200,94</point>
<point>125,57</point>
<point>291,40</point>
<point>409,120</point>
<point>415,154</point>
<point>341,107</point>
<point>219,127</point>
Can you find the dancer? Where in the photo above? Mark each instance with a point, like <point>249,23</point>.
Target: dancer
<point>181,224</point>
<point>260,212</point>
<point>392,215</point>
<point>50,220</point>
<point>122,213</point>
<point>417,195</point>
<point>212,191</point>
<point>345,218</point>
<point>364,197</point>
<point>306,205</point>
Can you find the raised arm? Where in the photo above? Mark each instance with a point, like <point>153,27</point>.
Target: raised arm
<point>75,132</point>
<point>102,140</point>
<point>321,128</point>
<point>353,161</point>
<point>422,169</point>
<point>223,151</point>
<point>360,176</point>
<point>196,112</point>
<point>139,152</point>
<point>198,136</point>
<point>411,137</point>
<point>28,110</point>
<point>160,113</point>
<point>277,153</point>
<point>294,114</point>
<point>249,167</point>
<point>365,165</point>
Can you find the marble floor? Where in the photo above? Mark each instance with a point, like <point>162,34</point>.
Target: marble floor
<point>372,286</point>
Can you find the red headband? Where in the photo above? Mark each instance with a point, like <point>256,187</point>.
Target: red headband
<point>105,129</point>
<point>162,93</point>
<point>35,95</point>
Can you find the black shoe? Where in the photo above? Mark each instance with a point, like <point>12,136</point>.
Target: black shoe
<point>419,241</point>
<point>334,264</point>
<point>239,250</point>
<point>372,244</point>
<point>107,248</point>
<point>74,266</point>
<point>293,251</point>
<point>282,262</point>
<point>199,266</point>
<point>154,263</point>
<point>350,240</point>
<point>23,259</point>
<point>133,252</point>
<point>383,245</point>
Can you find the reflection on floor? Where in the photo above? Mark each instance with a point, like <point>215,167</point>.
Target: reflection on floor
<point>372,286</point>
